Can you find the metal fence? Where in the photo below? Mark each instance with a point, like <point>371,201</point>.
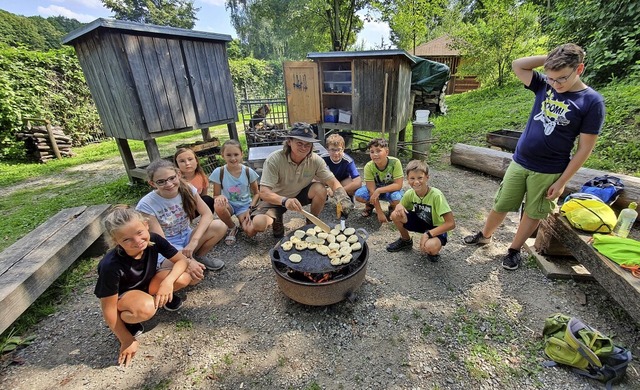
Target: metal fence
<point>264,120</point>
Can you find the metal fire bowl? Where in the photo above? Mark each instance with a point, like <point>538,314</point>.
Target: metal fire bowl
<point>325,293</point>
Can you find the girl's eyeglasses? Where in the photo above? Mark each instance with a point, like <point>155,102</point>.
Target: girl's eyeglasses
<point>163,182</point>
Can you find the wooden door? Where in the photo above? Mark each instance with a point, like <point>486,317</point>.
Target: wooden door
<point>303,91</point>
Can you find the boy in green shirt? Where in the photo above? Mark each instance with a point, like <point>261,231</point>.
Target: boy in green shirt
<point>422,209</point>
<point>383,180</point>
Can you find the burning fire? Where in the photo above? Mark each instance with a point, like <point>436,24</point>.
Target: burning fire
<point>317,278</point>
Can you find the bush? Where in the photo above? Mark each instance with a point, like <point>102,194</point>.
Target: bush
<point>48,85</point>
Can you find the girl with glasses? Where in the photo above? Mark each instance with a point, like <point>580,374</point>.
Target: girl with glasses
<point>171,207</point>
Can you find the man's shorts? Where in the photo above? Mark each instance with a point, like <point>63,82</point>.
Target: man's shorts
<point>363,192</point>
<point>277,211</point>
<point>518,182</point>
<point>418,225</point>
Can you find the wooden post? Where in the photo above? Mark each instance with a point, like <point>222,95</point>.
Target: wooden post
<point>52,138</point>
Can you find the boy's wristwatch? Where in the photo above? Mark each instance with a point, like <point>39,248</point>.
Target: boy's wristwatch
<point>429,234</point>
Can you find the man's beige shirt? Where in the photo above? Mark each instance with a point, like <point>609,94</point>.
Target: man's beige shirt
<point>287,178</point>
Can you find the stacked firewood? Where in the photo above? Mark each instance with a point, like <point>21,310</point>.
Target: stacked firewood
<point>432,101</point>
<point>263,135</point>
<point>38,143</point>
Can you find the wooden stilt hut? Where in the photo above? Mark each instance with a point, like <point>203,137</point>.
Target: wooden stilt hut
<point>150,81</point>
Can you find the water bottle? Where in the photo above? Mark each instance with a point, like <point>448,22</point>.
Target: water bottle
<point>625,220</point>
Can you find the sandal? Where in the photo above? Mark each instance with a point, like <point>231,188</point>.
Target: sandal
<point>368,210</point>
<point>231,236</point>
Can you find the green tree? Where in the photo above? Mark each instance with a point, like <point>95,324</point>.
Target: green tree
<point>63,24</point>
<point>412,22</point>
<point>501,31</point>
<point>607,30</point>
<point>34,32</point>
<point>289,29</point>
<point>175,13</point>
<point>16,30</point>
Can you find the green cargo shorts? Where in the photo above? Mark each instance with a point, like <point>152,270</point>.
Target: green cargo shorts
<point>520,183</point>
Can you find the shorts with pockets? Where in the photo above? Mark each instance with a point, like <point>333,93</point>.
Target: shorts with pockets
<point>520,183</point>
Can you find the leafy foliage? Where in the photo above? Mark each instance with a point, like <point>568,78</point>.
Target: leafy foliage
<point>175,13</point>
<point>279,29</point>
<point>502,31</point>
<point>48,85</point>
<point>411,21</point>
<point>607,30</point>
<point>256,77</point>
<point>34,32</point>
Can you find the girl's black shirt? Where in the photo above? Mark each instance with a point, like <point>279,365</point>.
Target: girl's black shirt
<point>118,272</point>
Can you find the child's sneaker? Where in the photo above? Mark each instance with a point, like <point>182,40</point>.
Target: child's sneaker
<point>135,329</point>
<point>400,244</point>
<point>211,263</point>
<point>433,258</point>
<point>278,227</point>
<point>476,239</point>
<point>175,304</point>
<point>512,260</point>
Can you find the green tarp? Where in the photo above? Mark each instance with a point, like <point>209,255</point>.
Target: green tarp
<point>428,76</point>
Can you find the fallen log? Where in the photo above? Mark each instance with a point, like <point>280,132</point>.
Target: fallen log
<point>495,163</point>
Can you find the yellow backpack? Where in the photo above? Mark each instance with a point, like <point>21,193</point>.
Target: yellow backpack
<point>589,215</point>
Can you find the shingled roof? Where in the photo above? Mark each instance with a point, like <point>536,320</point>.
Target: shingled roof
<point>437,47</point>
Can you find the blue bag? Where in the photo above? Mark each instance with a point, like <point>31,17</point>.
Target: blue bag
<point>606,187</point>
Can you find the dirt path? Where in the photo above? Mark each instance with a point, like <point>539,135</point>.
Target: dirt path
<point>462,323</point>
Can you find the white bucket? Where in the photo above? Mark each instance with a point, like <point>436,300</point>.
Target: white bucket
<point>422,116</point>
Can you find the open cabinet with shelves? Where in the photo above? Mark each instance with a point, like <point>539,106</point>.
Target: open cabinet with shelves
<point>337,89</point>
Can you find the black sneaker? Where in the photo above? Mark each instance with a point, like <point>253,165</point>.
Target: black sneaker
<point>476,239</point>
<point>175,304</point>
<point>135,329</point>
<point>433,258</point>
<point>512,260</point>
<point>400,244</point>
<point>278,228</point>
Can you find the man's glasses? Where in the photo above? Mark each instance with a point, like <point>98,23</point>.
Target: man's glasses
<point>302,144</point>
<point>163,182</point>
<point>560,80</point>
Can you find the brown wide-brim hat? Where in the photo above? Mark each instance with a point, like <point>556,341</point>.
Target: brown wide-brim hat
<point>303,132</point>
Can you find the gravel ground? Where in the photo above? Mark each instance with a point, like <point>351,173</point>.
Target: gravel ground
<point>462,323</point>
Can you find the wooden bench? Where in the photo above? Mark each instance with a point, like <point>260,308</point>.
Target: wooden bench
<point>619,283</point>
<point>33,263</point>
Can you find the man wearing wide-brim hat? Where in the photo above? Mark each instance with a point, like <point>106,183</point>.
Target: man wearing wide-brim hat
<point>287,181</point>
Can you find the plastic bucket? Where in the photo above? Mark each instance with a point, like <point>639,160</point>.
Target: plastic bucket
<point>422,116</point>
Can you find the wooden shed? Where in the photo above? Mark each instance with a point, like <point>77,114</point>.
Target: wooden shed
<point>441,50</point>
<point>357,90</point>
<point>150,81</point>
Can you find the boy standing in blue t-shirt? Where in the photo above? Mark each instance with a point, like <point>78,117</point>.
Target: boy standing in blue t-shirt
<point>565,109</point>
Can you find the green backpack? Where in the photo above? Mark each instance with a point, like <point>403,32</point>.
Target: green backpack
<point>571,342</point>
